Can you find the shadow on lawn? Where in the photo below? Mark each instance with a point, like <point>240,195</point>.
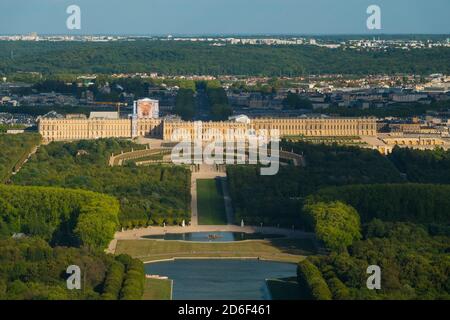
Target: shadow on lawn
<point>295,246</point>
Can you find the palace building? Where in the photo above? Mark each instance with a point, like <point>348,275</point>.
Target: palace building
<point>94,127</point>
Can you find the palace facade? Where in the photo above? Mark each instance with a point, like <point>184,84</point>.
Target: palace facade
<point>72,128</point>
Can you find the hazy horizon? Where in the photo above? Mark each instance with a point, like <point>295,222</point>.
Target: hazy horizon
<point>225,17</point>
<point>181,35</point>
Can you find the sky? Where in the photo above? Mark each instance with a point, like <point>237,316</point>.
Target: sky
<point>216,17</point>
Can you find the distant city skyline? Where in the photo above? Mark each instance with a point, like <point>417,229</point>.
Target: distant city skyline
<point>224,17</point>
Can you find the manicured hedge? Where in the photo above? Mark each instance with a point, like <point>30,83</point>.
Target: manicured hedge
<point>133,285</point>
<point>338,288</point>
<point>113,282</point>
<point>310,277</point>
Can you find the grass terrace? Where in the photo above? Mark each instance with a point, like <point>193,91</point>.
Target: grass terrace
<point>157,289</point>
<point>283,250</point>
<point>210,202</point>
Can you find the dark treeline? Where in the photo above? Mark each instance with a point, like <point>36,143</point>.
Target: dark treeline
<point>185,104</point>
<point>294,101</point>
<point>32,270</point>
<point>199,58</point>
<point>418,203</point>
<point>219,108</point>
<point>54,83</point>
<point>399,110</point>
<point>278,199</point>
<point>360,177</point>
<point>147,195</point>
<point>424,166</point>
<point>42,110</point>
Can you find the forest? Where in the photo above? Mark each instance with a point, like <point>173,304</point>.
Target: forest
<point>43,230</point>
<point>15,149</point>
<point>403,110</point>
<point>60,216</point>
<point>30,269</point>
<point>365,209</point>
<point>408,202</point>
<point>415,265</point>
<point>278,199</point>
<point>408,185</point>
<point>177,58</point>
<point>147,195</point>
<point>426,166</point>
<point>402,226</point>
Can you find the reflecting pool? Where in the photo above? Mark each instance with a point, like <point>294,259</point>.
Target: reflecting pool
<point>222,236</point>
<point>222,279</point>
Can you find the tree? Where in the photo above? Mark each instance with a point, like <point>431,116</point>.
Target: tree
<point>294,101</point>
<point>185,104</point>
<point>221,112</point>
<point>335,223</point>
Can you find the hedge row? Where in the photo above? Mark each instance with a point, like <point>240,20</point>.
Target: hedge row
<point>133,285</point>
<point>310,277</point>
<point>113,282</point>
<point>339,290</point>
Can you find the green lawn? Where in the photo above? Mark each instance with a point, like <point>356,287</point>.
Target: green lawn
<point>285,250</point>
<point>210,203</point>
<point>157,289</point>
